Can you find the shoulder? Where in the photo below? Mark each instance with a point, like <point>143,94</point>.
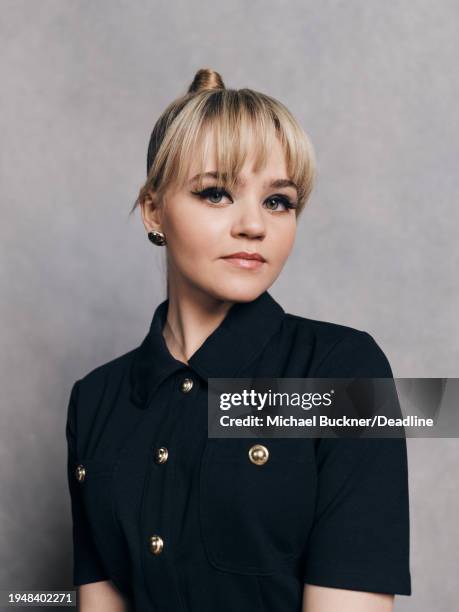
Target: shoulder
<point>338,350</point>
<point>92,397</point>
<point>101,383</point>
<point>109,373</point>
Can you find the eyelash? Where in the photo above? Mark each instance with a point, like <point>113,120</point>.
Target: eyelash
<point>205,193</point>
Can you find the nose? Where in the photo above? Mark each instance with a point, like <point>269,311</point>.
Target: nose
<point>249,219</point>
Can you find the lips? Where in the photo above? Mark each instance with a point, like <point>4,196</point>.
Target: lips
<point>245,255</point>
<point>245,261</point>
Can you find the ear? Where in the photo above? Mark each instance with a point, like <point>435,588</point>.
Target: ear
<point>151,211</point>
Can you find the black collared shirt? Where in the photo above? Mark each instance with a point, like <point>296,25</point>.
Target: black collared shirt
<point>185,523</point>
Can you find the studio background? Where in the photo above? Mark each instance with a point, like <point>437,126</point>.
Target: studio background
<point>375,85</point>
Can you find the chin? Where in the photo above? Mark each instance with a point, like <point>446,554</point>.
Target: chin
<point>239,291</point>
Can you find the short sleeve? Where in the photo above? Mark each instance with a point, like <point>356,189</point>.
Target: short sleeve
<point>360,536</point>
<point>87,565</point>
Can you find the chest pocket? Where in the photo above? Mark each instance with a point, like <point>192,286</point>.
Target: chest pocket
<point>257,499</point>
<point>96,478</point>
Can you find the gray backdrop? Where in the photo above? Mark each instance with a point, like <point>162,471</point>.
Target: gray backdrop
<point>376,87</point>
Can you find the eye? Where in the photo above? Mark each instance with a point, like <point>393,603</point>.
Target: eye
<point>283,200</point>
<point>214,194</point>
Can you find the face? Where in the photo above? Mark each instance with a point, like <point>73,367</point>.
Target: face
<point>203,229</point>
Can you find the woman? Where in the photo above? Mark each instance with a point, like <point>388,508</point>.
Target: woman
<point>166,518</point>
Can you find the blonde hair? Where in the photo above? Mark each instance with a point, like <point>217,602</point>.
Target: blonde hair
<point>237,118</point>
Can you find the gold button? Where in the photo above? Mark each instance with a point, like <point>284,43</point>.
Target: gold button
<point>161,454</point>
<point>80,473</point>
<point>186,385</point>
<point>156,544</point>
<point>258,454</point>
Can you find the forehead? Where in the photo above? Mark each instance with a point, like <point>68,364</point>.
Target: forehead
<point>244,162</point>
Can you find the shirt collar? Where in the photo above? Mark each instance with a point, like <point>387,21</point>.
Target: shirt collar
<point>240,337</point>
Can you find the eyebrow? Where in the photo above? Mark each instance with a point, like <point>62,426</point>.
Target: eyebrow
<point>276,183</point>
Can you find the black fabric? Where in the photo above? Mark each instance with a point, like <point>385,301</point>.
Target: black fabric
<point>331,511</point>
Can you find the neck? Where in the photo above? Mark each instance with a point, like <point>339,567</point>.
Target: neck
<point>191,317</point>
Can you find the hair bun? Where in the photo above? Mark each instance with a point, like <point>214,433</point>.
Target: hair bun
<point>206,78</point>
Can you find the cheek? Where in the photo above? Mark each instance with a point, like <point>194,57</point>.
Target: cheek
<point>281,243</point>
<point>194,237</point>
